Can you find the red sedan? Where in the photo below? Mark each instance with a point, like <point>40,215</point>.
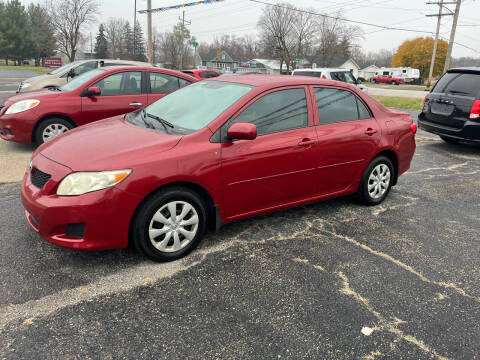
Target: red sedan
<point>210,153</point>
<point>202,74</point>
<point>39,116</point>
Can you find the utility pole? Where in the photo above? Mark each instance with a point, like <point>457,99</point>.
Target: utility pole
<point>448,60</point>
<point>188,22</point>
<point>91,46</point>
<point>134,34</point>
<point>149,32</point>
<point>434,53</point>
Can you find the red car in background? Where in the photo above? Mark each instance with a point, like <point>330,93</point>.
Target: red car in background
<point>387,79</point>
<point>39,116</point>
<point>202,74</point>
<point>213,152</point>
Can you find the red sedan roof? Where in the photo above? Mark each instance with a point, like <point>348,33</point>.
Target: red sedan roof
<point>149,68</point>
<point>261,80</point>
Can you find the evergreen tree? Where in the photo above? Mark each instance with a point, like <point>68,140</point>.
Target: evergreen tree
<point>101,47</point>
<point>43,33</point>
<point>127,42</point>
<point>140,51</point>
<point>16,32</point>
<point>3,42</point>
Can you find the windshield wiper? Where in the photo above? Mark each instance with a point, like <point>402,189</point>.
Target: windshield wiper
<point>164,122</point>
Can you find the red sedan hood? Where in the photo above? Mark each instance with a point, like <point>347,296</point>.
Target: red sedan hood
<point>39,95</point>
<point>109,144</point>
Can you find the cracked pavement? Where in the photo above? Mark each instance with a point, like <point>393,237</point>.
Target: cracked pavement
<point>331,280</point>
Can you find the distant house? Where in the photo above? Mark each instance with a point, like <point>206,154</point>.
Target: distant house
<point>368,72</point>
<point>351,65</point>
<point>218,60</point>
<point>266,66</point>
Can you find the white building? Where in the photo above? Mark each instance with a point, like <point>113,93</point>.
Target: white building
<point>368,72</point>
<point>351,65</point>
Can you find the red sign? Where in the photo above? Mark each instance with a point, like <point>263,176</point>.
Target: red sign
<point>52,62</point>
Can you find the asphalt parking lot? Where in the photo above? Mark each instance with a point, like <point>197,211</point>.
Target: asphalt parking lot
<point>333,280</point>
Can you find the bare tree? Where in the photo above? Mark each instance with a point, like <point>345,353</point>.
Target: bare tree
<point>381,58</point>
<point>277,32</point>
<point>288,33</point>
<point>114,31</point>
<point>69,17</point>
<point>305,30</point>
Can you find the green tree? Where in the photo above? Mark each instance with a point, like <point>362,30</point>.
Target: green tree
<point>127,42</point>
<point>140,51</point>
<point>16,32</point>
<point>43,33</point>
<point>101,47</point>
<point>3,42</point>
<point>417,53</point>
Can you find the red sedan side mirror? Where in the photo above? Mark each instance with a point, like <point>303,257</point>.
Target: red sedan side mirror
<point>93,91</point>
<point>242,131</point>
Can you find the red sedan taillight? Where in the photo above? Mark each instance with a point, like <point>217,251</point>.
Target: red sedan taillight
<point>475,112</point>
<point>414,128</point>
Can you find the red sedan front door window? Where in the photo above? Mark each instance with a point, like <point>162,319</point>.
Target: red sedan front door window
<point>279,165</point>
<point>121,93</point>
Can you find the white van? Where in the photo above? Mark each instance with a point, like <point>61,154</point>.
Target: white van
<point>337,74</point>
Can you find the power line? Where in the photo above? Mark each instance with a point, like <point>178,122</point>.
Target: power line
<point>343,19</point>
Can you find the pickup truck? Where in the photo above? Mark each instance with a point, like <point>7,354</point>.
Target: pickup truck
<point>388,79</point>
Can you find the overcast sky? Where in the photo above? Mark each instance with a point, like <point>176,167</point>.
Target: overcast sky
<point>240,17</point>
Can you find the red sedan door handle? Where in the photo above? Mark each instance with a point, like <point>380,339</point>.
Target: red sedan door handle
<point>135,103</point>
<point>370,131</point>
<point>306,142</point>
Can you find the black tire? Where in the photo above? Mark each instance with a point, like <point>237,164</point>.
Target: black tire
<point>144,219</point>
<point>59,122</point>
<point>374,81</point>
<point>449,140</point>
<point>363,194</point>
<point>394,83</point>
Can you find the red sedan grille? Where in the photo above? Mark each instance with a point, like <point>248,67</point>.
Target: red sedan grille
<point>39,178</point>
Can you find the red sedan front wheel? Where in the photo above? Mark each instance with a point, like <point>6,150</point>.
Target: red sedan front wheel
<point>169,224</point>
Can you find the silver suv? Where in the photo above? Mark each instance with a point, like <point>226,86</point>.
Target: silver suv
<point>63,74</point>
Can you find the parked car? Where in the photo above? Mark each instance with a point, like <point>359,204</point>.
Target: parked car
<point>60,76</point>
<point>41,115</point>
<point>342,75</point>
<point>213,152</point>
<point>452,108</point>
<point>387,79</point>
<point>201,74</point>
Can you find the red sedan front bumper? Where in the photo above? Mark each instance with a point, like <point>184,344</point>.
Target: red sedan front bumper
<point>18,127</point>
<point>94,221</point>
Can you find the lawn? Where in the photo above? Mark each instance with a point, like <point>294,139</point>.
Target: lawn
<point>400,102</point>
<point>398,87</point>
<point>37,69</point>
